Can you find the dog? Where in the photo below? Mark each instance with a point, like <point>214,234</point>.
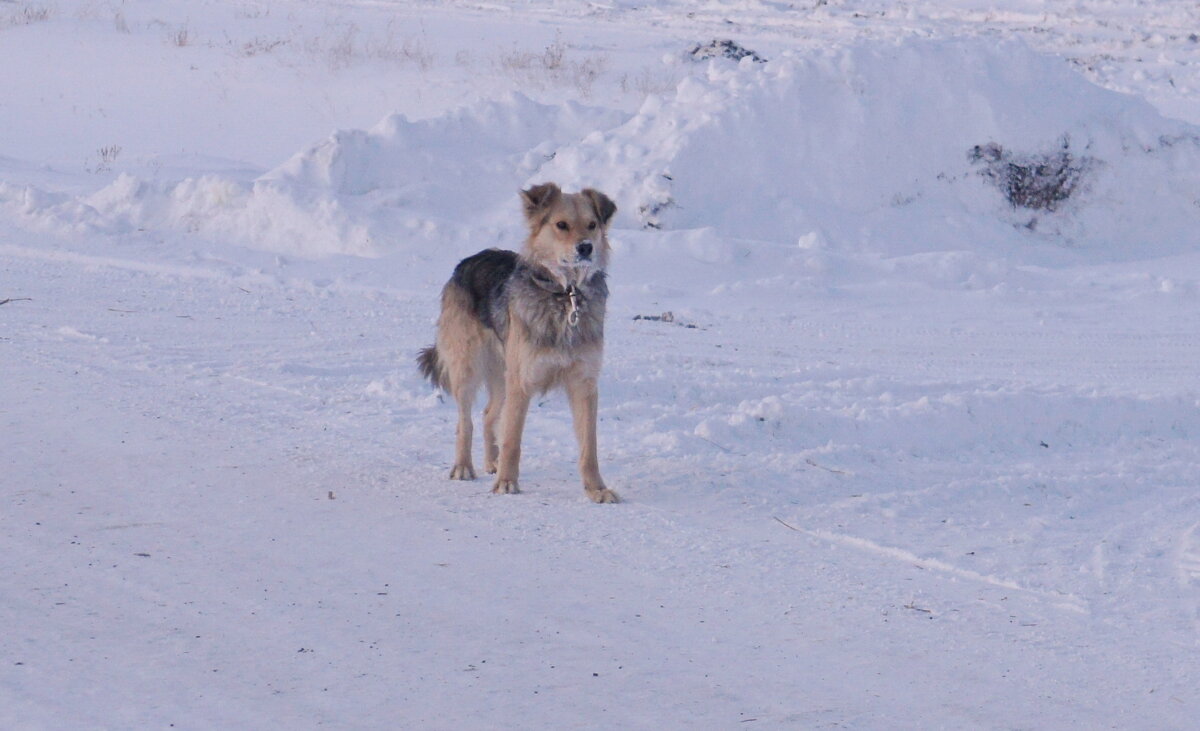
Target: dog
<point>522,324</point>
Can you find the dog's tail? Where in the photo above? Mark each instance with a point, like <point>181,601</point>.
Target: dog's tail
<point>431,368</point>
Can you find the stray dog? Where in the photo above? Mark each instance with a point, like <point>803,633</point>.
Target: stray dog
<point>522,324</point>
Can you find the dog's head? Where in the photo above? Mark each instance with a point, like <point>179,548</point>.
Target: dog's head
<point>568,232</point>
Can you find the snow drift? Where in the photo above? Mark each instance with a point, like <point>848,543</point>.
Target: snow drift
<point>873,148</point>
<point>893,149</point>
<point>401,185</point>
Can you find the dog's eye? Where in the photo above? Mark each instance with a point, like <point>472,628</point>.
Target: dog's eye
<point>592,226</point>
<point>562,225</point>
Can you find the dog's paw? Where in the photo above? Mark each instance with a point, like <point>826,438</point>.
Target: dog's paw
<point>490,467</point>
<point>462,472</point>
<point>505,487</point>
<point>602,495</point>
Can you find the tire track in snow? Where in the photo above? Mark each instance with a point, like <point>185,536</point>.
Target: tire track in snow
<point>1060,599</point>
<point>59,256</point>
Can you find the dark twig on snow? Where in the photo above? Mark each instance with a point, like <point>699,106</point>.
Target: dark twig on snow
<point>727,450</point>
<point>823,467</point>
<point>786,525</point>
<point>15,299</point>
<point>664,317</point>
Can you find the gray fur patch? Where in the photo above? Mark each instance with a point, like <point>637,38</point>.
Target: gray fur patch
<point>483,276</point>
<point>543,305</point>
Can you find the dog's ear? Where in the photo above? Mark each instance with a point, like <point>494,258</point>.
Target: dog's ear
<point>604,206</point>
<point>538,198</point>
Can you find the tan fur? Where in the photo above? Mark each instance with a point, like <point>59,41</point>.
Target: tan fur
<point>549,245</point>
<point>518,368</point>
<point>471,355</point>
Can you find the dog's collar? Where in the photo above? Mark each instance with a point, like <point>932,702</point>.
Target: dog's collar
<point>571,292</point>
<point>543,279</point>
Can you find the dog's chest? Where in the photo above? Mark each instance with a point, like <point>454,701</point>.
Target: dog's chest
<point>556,318</point>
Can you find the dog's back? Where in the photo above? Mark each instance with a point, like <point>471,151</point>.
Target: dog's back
<point>470,300</point>
<point>483,277</point>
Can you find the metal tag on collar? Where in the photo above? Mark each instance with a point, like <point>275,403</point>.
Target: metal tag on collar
<point>572,306</point>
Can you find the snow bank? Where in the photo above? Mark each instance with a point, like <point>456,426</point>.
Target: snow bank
<point>892,149</point>
<point>871,147</point>
<point>401,185</point>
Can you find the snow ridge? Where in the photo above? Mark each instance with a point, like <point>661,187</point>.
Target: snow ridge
<point>838,147</point>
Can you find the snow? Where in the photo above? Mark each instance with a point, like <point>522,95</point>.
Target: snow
<point>902,455</point>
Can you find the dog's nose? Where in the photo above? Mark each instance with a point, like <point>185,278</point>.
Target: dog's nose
<point>584,249</point>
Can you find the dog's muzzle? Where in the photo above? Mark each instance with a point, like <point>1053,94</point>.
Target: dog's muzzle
<point>584,249</point>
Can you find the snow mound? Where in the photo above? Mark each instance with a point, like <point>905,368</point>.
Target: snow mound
<point>455,164</point>
<point>871,146</point>
<point>401,185</point>
<point>431,181</point>
<point>891,149</point>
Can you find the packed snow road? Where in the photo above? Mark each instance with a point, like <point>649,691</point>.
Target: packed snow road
<point>232,509</point>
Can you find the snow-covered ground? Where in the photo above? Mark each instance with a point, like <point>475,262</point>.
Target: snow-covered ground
<point>905,454</point>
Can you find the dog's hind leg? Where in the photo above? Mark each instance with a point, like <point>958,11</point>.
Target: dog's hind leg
<point>460,348</point>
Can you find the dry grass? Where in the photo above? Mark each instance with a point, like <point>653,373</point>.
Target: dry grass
<point>259,46</point>
<point>180,37</point>
<point>350,45</point>
<point>649,82</point>
<point>253,11</point>
<point>1036,181</point>
<point>550,59</point>
<point>107,156</point>
<point>27,15</point>
<point>410,51</point>
<point>552,67</point>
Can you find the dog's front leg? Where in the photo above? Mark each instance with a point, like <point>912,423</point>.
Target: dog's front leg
<point>512,424</point>
<point>584,397</point>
